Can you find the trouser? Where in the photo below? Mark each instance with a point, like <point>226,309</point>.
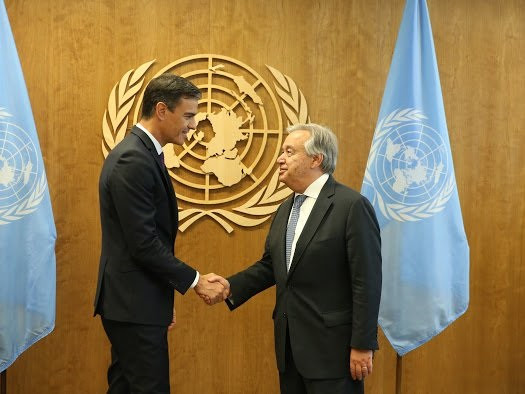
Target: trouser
<point>292,382</point>
<point>139,358</point>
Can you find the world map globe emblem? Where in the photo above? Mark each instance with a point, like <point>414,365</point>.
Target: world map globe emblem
<point>226,170</point>
<point>412,164</point>
<point>238,135</point>
<point>19,165</point>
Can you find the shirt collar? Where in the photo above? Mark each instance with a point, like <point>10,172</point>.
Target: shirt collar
<point>315,187</point>
<point>158,147</point>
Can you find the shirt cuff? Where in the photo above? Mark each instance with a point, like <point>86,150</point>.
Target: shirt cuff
<point>196,280</point>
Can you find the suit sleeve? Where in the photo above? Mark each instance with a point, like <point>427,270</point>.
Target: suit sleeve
<point>254,279</point>
<point>132,187</point>
<point>364,254</point>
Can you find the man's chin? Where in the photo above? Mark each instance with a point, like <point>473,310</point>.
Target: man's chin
<point>286,180</point>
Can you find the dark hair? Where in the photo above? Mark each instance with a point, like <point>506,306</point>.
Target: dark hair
<point>169,89</point>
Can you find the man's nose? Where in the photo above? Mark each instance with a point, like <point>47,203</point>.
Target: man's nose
<point>280,159</point>
<point>193,124</point>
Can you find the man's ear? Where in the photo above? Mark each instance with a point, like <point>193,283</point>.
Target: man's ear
<point>160,110</point>
<point>317,160</point>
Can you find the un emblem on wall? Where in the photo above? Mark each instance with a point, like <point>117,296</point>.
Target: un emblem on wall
<point>226,169</point>
<point>21,189</point>
<point>411,166</point>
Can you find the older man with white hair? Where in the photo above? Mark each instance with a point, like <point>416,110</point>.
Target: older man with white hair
<point>323,253</point>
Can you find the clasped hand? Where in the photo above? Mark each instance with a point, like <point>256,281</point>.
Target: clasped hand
<point>212,288</point>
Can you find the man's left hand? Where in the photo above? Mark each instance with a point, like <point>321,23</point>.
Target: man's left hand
<point>360,363</point>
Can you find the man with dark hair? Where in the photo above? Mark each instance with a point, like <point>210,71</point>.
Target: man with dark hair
<point>167,88</point>
<point>323,253</point>
<point>139,216</point>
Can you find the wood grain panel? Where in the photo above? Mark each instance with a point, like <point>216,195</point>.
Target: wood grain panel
<point>480,47</point>
<point>338,52</point>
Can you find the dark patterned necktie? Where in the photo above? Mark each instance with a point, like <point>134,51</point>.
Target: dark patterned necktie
<point>292,224</point>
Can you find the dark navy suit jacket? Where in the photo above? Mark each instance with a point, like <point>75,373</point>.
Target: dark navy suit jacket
<point>138,212</point>
<point>329,301</point>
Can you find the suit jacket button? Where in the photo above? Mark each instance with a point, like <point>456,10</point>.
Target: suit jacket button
<point>285,315</point>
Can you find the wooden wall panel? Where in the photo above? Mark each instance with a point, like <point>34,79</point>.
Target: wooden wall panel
<point>480,47</point>
<point>338,52</point>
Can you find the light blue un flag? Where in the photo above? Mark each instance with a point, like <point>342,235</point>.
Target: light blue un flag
<point>27,229</point>
<point>410,180</point>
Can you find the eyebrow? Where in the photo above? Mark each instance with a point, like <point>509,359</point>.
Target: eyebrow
<point>289,149</point>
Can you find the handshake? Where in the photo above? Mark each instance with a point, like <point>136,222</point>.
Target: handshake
<point>212,288</point>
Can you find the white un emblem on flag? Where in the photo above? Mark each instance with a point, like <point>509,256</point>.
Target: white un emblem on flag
<point>411,165</point>
<point>21,190</point>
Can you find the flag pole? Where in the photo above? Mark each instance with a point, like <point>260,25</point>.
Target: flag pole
<point>399,370</point>
<point>3,382</point>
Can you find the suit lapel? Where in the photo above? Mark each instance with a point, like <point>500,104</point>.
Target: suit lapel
<point>280,224</point>
<point>322,204</point>
<point>166,180</point>
<point>173,197</point>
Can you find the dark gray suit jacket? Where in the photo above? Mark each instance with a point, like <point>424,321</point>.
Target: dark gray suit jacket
<point>138,212</point>
<point>330,298</point>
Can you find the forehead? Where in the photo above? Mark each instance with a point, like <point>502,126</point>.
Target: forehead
<point>187,105</point>
<point>296,139</point>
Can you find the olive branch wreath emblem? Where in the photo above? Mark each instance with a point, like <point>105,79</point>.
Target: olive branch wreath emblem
<point>263,203</point>
<point>27,206</point>
<point>395,211</point>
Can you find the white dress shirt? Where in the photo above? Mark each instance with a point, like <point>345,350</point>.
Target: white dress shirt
<point>153,139</point>
<point>311,193</point>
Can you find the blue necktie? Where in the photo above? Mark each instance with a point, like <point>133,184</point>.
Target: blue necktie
<point>292,224</point>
